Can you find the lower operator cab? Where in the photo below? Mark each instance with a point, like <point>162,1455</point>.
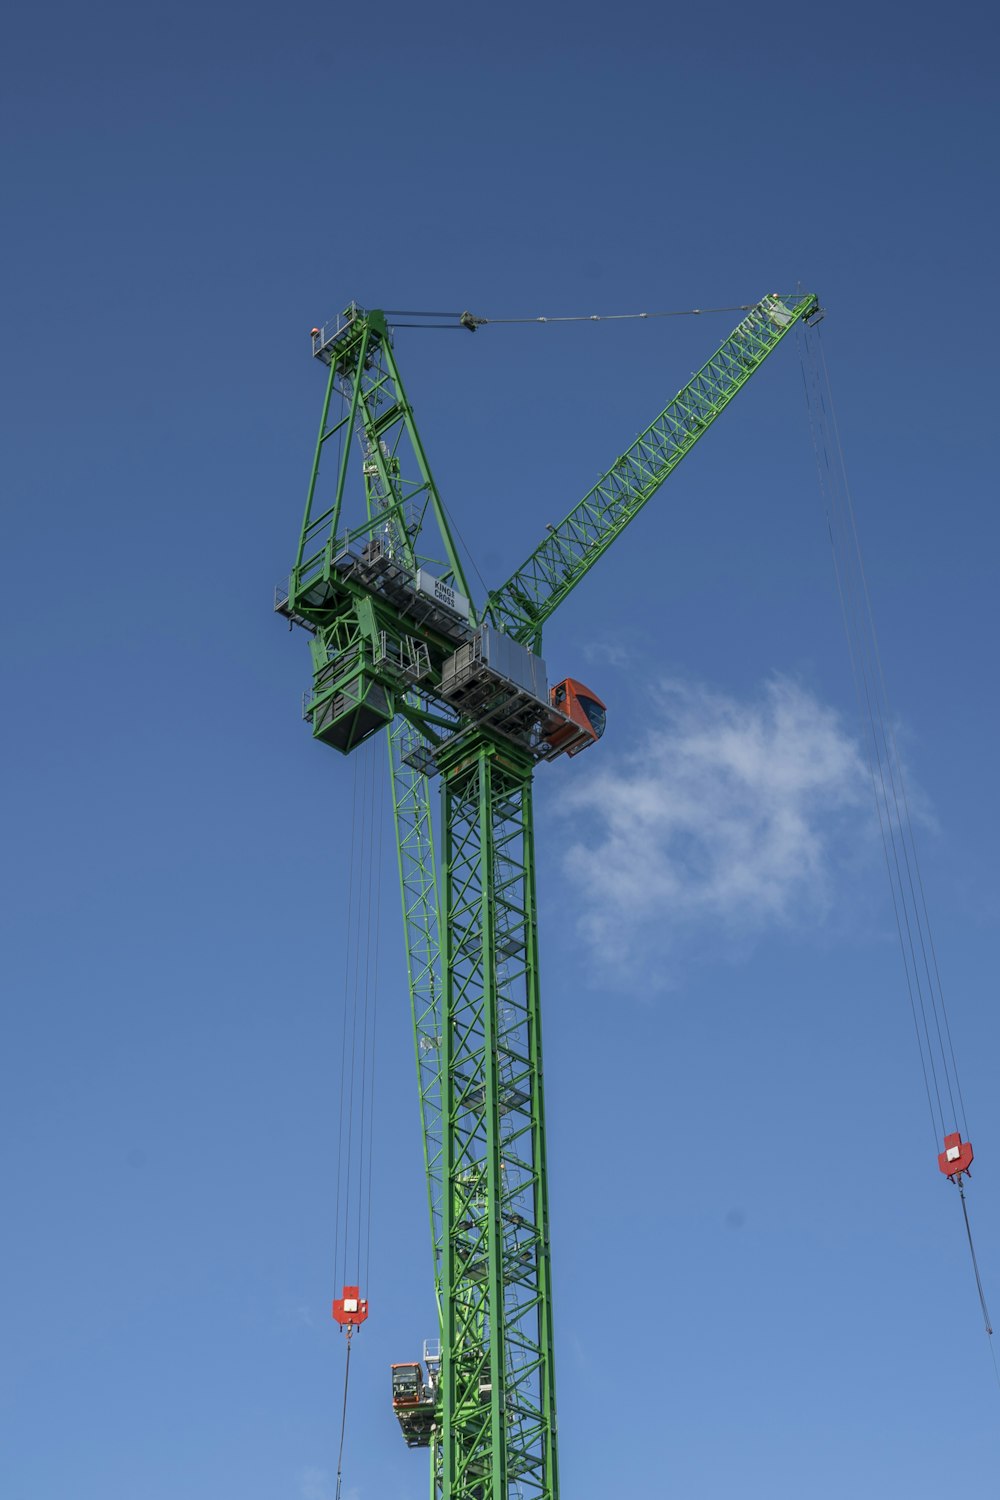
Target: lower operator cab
<point>414,1399</point>
<point>586,711</point>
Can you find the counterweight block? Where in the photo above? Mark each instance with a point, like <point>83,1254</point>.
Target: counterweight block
<point>349,713</point>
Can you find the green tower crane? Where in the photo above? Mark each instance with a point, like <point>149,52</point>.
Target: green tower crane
<point>461,691</point>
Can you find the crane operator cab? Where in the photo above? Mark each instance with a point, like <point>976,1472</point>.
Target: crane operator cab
<point>414,1401</point>
<point>587,715</point>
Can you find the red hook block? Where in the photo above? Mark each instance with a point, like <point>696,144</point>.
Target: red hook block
<point>350,1309</point>
<point>956,1156</point>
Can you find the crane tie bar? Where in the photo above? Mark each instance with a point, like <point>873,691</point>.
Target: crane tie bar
<point>471,321</point>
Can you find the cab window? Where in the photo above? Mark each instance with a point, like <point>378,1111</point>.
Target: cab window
<point>596,715</point>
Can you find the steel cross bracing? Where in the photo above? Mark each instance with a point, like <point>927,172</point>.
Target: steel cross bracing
<point>387,616</point>
<point>499,1398</point>
<point>400,493</point>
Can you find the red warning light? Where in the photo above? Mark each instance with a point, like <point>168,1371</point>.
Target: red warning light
<point>956,1156</point>
<point>350,1309</point>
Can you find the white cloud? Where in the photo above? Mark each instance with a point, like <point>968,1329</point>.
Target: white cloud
<point>728,813</point>
<point>314,1484</point>
<point>606,653</point>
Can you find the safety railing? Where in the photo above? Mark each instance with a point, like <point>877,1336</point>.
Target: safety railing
<point>324,336</point>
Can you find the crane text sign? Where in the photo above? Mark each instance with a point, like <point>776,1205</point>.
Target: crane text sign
<point>443,592</point>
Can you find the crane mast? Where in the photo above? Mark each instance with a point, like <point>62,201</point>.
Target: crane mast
<point>397,644</point>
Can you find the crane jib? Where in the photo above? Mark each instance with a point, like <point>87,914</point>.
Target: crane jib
<point>529,597</point>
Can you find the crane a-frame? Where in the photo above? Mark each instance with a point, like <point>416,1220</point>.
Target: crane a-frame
<point>461,691</point>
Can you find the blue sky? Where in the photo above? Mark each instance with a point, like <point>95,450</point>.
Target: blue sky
<point>761,1280</point>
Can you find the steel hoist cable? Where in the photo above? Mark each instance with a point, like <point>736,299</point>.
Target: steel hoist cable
<point>975,1262</point>
<point>979,1281</point>
<point>369,1018</point>
<point>884,761</point>
<point>358,1023</point>
<point>932,1026</point>
<point>357,1061</point>
<point>343,1415</point>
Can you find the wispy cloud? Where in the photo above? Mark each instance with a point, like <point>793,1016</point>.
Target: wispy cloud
<point>606,653</point>
<point>729,812</point>
<point>315,1484</point>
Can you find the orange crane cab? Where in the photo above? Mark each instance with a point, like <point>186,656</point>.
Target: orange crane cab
<point>587,715</point>
<point>414,1399</point>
